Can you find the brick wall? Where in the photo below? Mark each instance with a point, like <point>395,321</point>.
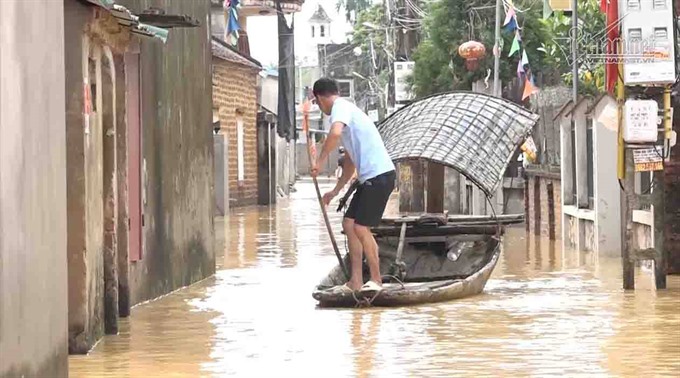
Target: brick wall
<point>530,206</point>
<point>672,232</point>
<point>234,96</point>
<point>543,206</point>
<point>557,193</point>
<point>545,209</point>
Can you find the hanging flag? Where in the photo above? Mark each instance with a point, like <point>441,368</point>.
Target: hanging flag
<point>520,69</point>
<point>525,58</point>
<point>509,15</point>
<point>232,25</point>
<point>515,45</point>
<point>547,9</point>
<point>231,31</point>
<point>529,89</point>
<point>512,25</point>
<point>510,22</point>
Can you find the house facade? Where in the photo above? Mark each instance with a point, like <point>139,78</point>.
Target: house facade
<point>119,174</point>
<point>139,162</point>
<point>235,80</point>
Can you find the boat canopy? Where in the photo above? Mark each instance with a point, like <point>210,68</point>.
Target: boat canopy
<point>473,133</point>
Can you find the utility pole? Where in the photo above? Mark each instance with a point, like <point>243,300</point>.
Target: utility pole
<point>412,174</point>
<point>574,49</point>
<point>497,55</point>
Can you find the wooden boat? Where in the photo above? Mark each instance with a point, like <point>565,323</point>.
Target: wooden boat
<point>430,258</point>
<point>425,262</point>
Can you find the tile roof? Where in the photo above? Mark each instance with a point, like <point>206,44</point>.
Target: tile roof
<point>223,51</point>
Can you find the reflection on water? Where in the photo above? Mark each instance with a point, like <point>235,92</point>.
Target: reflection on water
<point>545,311</point>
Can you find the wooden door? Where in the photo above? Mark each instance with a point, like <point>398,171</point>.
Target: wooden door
<point>134,146</point>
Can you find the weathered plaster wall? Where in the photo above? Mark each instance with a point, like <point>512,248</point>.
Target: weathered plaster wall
<point>85,188</point>
<point>33,295</point>
<point>177,146</point>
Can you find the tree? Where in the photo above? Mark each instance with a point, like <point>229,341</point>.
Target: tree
<point>451,23</point>
<point>592,39</point>
<point>448,24</point>
<point>356,6</point>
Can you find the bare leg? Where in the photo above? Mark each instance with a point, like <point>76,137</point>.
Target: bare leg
<point>370,250</point>
<point>355,254</point>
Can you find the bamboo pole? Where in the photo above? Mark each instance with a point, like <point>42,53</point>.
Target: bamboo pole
<point>305,128</point>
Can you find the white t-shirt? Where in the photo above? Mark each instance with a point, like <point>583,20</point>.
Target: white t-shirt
<point>361,139</point>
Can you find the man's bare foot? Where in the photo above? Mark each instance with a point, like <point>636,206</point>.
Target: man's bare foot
<point>354,285</point>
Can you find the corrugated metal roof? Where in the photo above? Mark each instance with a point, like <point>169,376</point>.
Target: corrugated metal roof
<point>473,133</point>
<point>153,25</point>
<point>223,51</point>
<point>129,20</point>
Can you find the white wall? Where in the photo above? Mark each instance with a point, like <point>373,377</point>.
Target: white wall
<point>597,229</point>
<point>269,94</point>
<point>262,31</point>
<point>607,192</point>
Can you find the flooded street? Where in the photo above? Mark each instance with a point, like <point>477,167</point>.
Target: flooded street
<point>543,312</point>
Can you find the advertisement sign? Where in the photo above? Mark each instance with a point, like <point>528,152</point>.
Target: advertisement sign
<point>648,159</point>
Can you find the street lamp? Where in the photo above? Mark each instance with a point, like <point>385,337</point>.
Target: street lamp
<point>370,25</point>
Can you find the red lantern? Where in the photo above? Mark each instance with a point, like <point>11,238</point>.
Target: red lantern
<point>472,52</point>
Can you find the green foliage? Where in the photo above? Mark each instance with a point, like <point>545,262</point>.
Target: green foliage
<point>356,6</point>
<point>451,23</point>
<point>591,35</point>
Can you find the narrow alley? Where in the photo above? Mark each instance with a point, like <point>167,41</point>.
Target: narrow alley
<point>543,312</point>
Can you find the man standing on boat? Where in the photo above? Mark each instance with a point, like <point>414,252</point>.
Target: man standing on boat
<point>364,152</point>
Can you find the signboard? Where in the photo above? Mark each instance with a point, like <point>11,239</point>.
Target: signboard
<point>373,114</point>
<point>647,42</point>
<point>640,123</point>
<point>401,71</point>
<point>648,159</point>
<point>529,149</point>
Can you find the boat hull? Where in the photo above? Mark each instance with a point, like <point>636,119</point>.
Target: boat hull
<point>467,277</point>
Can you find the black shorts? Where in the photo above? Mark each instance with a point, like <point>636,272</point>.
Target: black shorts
<point>370,199</point>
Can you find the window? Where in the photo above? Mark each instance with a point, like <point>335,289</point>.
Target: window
<point>633,5</point>
<point>660,34</point>
<point>322,31</point>
<point>590,163</point>
<point>312,31</point>
<point>660,4</point>
<point>239,148</point>
<point>635,35</point>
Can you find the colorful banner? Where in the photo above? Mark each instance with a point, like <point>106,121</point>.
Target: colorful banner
<point>523,66</point>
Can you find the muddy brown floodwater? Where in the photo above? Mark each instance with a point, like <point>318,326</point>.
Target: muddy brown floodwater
<point>543,312</point>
